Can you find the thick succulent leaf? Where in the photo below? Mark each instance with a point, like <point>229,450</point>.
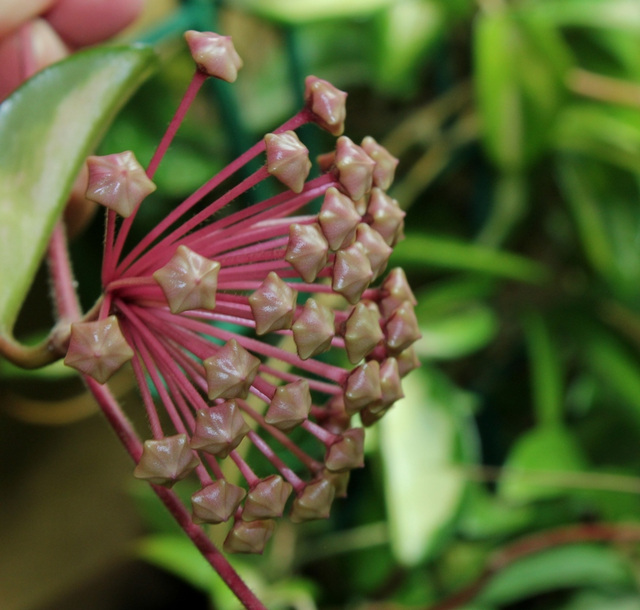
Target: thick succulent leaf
<point>424,440</point>
<point>47,128</point>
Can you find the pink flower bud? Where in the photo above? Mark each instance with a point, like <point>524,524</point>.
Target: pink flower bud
<point>214,55</point>
<point>287,159</point>
<point>118,182</point>
<point>167,460</point>
<point>98,349</point>
<point>326,103</point>
<point>189,281</point>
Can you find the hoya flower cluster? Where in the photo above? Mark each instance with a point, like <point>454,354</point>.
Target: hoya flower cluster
<point>226,315</point>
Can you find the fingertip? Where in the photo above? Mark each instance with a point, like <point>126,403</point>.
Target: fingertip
<point>85,22</point>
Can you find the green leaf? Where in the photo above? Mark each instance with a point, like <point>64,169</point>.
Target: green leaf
<point>619,14</point>
<point>604,203</point>
<point>418,251</point>
<point>577,565</point>
<point>47,128</point>
<point>423,440</point>
<point>546,374</point>
<point>406,32</point>
<point>457,333</point>
<point>545,449</point>
<point>520,66</point>
<point>615,367</point>
<point>297,12</point>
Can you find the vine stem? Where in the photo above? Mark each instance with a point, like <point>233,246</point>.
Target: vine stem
<point>68,309</point>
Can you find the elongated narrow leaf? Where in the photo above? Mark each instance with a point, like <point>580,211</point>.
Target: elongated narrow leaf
<point>47,128</point>
<point>424,251</point>
<point>296,12</point>
<point>520,67</point>
<point>578,565</point>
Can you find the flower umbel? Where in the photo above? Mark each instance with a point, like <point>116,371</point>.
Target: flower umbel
<point>224,316</point>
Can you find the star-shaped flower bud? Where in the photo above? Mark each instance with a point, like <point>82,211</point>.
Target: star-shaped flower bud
<point>287,159</point>
<point>386,163</point>
<point>326,103</point>
<point>352,272</point>
<point>273,304</point>
<point>118,182</point>
<point>348,452</point>
<point>390,384</point>
<point>387,217</point>
<point>307,250</point>
<point>375,247</point>
<point>267,499</point>
<point>362,332</point>
<point>314,329</point>
<point>189,281</point>
<point>339,480</point>
<point>338,218</point>
<point>363,386</point>
<point>165,461</point>
<point>98,349</point>
<point>289,406</point>
<point>249,536</point>
<point>407,361</point>
<point>396,291</point>
<point>215,503</point>
<point>314,502</point>
<point>230,371</point>
<point>355,168</point>
<point>220,429</point>
<point>214,55</point>
<point>402,328</point>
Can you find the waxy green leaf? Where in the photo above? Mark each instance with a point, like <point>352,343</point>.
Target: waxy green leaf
<point>47,128</point>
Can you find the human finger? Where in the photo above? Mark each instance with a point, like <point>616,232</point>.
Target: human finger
<point>13,13</point>
<point>85,22</point>
<point>26,51</point>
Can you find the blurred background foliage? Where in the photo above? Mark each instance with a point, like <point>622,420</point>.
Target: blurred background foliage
<point>509,476</point>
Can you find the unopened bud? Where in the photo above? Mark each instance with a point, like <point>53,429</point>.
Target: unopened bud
<point>219,429</point>
<point>215,503</point>
<point>307,250</point>
<point>249,536</point>
<point>118,182</point>
<point>287,159</point>
<point>289,406</point>
<point>314,502</point>
<point>327,104</point>
<point>165,461</point>
<point>189,281</point>
<point>214,55</point>
<point>230,372</point>
<point>273,304</point>
<point>267,499</point>
<point>98,349</point>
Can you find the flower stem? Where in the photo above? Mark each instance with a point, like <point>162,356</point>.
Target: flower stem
<point>130,440</point>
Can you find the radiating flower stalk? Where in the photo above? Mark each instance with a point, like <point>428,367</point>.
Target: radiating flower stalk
<point>226,314</point>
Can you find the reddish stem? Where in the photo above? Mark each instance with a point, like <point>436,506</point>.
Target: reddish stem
<point>216,559</point>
